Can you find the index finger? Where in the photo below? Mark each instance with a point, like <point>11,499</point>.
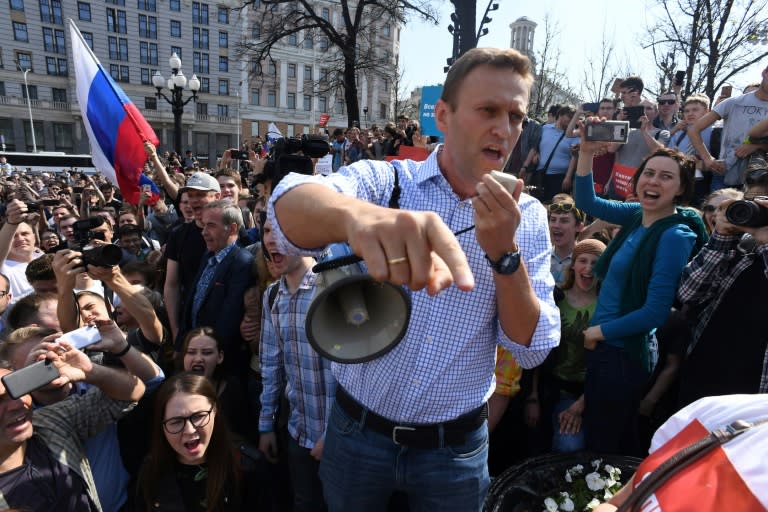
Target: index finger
<point>446,246</point>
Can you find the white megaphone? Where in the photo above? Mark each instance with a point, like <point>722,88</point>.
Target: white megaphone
<point>352,318</point>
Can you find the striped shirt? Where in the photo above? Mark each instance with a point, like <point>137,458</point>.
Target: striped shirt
<point>444,366</point>
<point>288,358</point>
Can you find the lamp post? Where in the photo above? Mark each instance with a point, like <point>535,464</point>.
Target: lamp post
<point>176,85</point>
<point>365,116</point>
<point>29,106</point>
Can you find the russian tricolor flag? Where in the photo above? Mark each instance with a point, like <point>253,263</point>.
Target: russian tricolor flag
<point>116,128</point>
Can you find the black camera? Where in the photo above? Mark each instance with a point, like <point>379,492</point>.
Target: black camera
<point>294,154</point>
<point>747,213</point>
<point>32,207</point>
<point>238,155</point>
<point>100,256</point>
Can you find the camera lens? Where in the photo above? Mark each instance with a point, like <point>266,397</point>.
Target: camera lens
<point>746,213</point>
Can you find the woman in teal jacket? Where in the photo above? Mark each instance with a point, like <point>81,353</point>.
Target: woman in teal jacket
<point>640,270</point>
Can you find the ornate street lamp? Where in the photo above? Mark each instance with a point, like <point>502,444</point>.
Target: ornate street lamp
<point>176,85</point>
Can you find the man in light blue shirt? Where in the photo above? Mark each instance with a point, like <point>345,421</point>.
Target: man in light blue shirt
<point>414,419</point>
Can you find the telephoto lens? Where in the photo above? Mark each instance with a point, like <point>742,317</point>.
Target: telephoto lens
<point>747,213</point>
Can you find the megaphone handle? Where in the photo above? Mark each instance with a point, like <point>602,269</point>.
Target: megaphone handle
<point>336,263</point>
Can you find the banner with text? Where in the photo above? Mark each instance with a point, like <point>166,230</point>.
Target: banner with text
<point>429,96</point>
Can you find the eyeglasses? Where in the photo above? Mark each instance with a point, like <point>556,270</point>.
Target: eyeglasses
<point>756,177</point>
<point>708,208</point>
<point>667,102</point>
<point>3,293</point>
<point>197,420</point>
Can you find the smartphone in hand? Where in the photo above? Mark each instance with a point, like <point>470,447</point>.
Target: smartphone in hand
<point>82,337</point>
<point>22,382</point>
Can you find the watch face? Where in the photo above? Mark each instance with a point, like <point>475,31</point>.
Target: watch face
<point>508,263</point>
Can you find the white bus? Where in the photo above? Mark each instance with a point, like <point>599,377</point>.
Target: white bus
<point>50,162</point>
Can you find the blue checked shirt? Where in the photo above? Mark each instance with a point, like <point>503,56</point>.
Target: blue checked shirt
<point>444,366</point>
<point>287,357</point>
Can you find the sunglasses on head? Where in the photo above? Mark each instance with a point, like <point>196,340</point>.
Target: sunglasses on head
<point>564,208</point>
<point>667,102</point>
<point>756,177</point>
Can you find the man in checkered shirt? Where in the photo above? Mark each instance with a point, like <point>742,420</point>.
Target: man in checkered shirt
<point>414,420</point>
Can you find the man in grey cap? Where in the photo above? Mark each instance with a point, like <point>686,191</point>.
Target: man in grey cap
<point>185,247</point>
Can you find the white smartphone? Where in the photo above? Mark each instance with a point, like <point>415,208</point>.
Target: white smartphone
<point>82,337</point>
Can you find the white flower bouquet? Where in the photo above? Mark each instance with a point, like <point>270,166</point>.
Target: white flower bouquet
<point>585,490</point>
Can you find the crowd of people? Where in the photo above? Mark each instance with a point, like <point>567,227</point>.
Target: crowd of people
<point>579,313</point>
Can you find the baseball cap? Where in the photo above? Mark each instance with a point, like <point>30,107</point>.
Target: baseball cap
<point>201,181</point>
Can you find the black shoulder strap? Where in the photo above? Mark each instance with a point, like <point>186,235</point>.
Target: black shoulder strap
<point>394,199</point>
<point>273,289</point>
<point>549,159</point>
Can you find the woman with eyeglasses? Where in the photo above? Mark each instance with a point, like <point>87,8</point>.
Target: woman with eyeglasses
<point>640,270</point>
<point>192,466</point>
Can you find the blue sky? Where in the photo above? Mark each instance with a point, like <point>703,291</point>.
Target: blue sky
<point>424,47</point>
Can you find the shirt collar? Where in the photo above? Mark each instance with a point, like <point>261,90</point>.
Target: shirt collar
<point>223,253</point>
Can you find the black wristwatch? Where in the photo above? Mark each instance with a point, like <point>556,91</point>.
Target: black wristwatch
<point>507,264</point>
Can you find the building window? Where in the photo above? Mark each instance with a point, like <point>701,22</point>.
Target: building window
<point>147,26</point>
<point>145,76</point>
<point>88,39</point>
<point>2,88</point>
<point>16,5</point>
<point>148,5</point>
<point>224,15</point>
<point>202,109</point>
<point>200,38</point>
<point>272,69</point>
<point>291,100</point>
<point>175,28</point>
<point>224,64</point>
<point>323,44</point>
<point>385,84</point>
<point>177,51</point>
<point>222,110</point>
<point>116,2</point>
<point>271,98</point>
<point>53,40</point>
<point>118,48</point>
<point>326,14</point>
<point>255,67</point>
<point>307,72</point>
<point>309,43</point>
<point>114,72</point>
<point>174,5</point>
<point>32,92</point>
<point>223,40</point>
<point>200,62</point>
<point>223,87</point>
<point>84,11</point>
<point>150,103</point>
<point>323,75</point>
<point>307,102</point>
<point>25,60</point>
<point>322,104</point>
<point>382,111</point>
<point>291,70</point>
<point>50,12</point>
<point>205,84</point>
<point>62,136</point>
<point>59,95</point>
<point>255,97</point>
<point>125,74</point>
<point>292,40</point>
<point>199,13</point>
<point>340,106</point>
<point>20,31</point>
<point>387,30</point>
<point>116,21</point>
<point>255,31</point>
<point>148,52</point>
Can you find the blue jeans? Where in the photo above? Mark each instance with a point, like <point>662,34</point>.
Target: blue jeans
<point>361,468</point>
<point>307,490</point>
<point>565,443</point>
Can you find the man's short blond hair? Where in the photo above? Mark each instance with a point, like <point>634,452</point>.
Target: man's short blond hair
<point>697,98</point>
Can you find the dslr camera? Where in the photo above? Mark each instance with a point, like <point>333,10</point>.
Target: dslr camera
<point>102,255</point>
<point>608,131</point>
<point>747,213</point>
<point>294,154</point>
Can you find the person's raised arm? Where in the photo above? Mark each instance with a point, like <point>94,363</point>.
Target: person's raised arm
<point>171,295</point>
<point>14,215</point>
<point>136,362</point>
<point>694,135</point>
<point>67,264</point>
<point>170,186</point>
<point>133,300</point>
<point>379,235</point>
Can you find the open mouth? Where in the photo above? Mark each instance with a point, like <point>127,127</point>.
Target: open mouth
<point>18,422</point>
<point>197,368</point>
<point>192,445</point>
<point>276,257</point>
<point>493,152</point>
<point>651,195</point>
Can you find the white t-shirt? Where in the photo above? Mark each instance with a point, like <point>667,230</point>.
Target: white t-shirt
<point>15,271</point>
<point>733,476</point>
